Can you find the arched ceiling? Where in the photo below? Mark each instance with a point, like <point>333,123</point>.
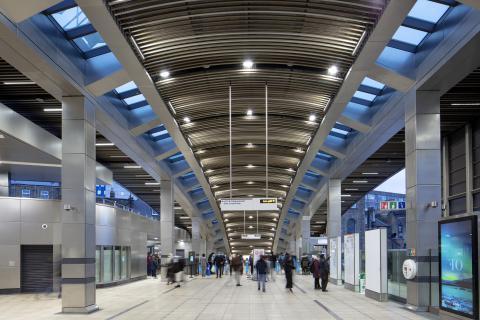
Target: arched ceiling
<point>202,45</point>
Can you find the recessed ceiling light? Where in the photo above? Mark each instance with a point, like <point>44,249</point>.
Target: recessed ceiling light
<point>250,166</point>
<point>274,219</point>
<point>186,120</point>
<point>152,183</point>
<point>131,166</point>
<point>290,170</point>
<point>155,238</point>
<point>104,144</point>
<point>249,112</point>
<point>360,181</point>
<point>298,150</point>
<point>250,182</point>
<point>249,145</point>
<point>369,173</point>
<point>13,83</point>
<point>251,246</point>
<point>208,171</point>
<point>346,195</point>
<point>250,217</point>
<point>273,229</point>
<point>165,74</point>
<point>248,64</point>
<point>333,70</point>
<point>201,151</point>
<point>250,195</point>
<point>226,220</point>
<point>250,227</point>
<point>270,239</point>
<point>283,186</point>
<point>52,109</point>
<point>312,118</point>
<point>351,189</point>
<point>215,187</point>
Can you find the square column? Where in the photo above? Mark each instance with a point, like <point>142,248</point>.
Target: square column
<point>78,198</point>
<point>424,195</point>
<point>167,219</point>
<point>196,238</point>
<point>306,234</point>
<point>334,208</point>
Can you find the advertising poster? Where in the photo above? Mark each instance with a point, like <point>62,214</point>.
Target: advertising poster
<point>333,260</point>
<point>349,256</point>
<point>458,266</point>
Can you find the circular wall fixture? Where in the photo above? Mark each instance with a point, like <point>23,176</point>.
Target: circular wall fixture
<point>44,226</point>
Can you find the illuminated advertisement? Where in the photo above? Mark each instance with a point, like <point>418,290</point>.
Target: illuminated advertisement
<point>458,266</point>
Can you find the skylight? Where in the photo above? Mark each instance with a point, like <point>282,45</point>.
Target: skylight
<point>339,131</point>
<point>126,87</point>
<point>372,83</point>
<point>364,96</point>
<point>428,11</point>
<point>159,133</point>
<point>71,18</point>
<point>324,156</point>
<point>134,99</point>
<point>90,42</point>
<point>409,35</point>
<point>176,157</point>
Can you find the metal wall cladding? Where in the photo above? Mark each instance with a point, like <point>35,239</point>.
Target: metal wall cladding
<point>38,222</point>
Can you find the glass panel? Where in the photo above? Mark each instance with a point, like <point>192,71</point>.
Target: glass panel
<point>126,87</point>
<point>428,11</point>
<point>70,18</point>
<point>134,99</point>
<point>118,263</point>
<point>97,264</point>
<point>409,35</point>
<point>397,285</point>
<point>372,83</point>
<point>107,264</point>
<point>89,42</point>
<point>364,96</point>
<point>124,263</point>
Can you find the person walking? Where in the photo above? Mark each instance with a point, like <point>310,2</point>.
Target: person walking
<point>149,264</point>
<point>262,269</point>
<point>288,267</point>
<point>237,267</point>
<point>315,270</point>
<point>324,272</point>
<point>273,261</point>
<point>155,264</point>
<point>203,264</point>
<point>219,262</point>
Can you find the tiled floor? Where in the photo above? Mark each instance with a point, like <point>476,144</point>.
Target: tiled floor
<point>213,299</point>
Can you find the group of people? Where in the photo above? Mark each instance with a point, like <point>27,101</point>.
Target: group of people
<point>319,267</point>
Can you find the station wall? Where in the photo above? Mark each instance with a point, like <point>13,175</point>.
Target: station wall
<point>38,222</point>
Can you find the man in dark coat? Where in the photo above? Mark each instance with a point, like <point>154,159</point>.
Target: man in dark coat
<point>324,272</point>
<point>219,262</point>
<point>288,267</point>
<point>237,266</point>
<point>315,270</point>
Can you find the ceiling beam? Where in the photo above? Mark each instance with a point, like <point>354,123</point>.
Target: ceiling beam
<point>18,11</point>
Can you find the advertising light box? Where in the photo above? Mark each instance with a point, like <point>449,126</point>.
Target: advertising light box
<point>249,204</point>
<point>459,266</point>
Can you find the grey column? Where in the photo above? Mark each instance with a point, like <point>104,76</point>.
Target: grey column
<point>4,191</point>
<point>78,197</point>
<point>334,208</point>
<point>167,219</point>
<point>196,239</point>
<point>306,234</point>
<point>423,175</point>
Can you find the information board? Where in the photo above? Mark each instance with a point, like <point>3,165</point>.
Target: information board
<point>249,204</point>
<point>458,257</point>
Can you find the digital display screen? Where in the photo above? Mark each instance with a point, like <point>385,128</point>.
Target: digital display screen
<point>458,266</point>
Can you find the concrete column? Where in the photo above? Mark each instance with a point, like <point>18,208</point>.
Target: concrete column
<point>423,175</point>
<point>167,219</point>
<point>196,238</point>
<point>334,208</point>
<point>4,184</point>
<point>78,197</point>
<point>306,234</point>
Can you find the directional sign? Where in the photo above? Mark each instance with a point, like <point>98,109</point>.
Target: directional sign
<point>249,204</point>
<point>392,205</point>
<point>250,236</point>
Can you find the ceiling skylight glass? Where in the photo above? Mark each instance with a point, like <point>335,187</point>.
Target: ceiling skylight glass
<point>372,83</point>
<point>159,133</point>
<point>126,87</point>
<point>340,131</point>
<point>428,11</point>
<point>71,18</point>
<point>364,96</point>
<point>409,35</point>
<point>134,99</point>
<point>90,42</point>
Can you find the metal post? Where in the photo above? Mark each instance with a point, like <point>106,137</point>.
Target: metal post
<point>230,132</point>
<point>266,140</point>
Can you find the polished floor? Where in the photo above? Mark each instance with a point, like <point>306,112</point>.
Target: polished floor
<point>213,299</point>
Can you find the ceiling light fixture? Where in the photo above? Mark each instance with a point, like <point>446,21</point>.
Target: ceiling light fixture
<point>369,173</point>
<point>466,104</point>
<point>360,181</point>
<point>250,166</point>
<point>333,70</point>
<point>186,120</point>
<point>354,52</point>
<point>250,182</point>
<point>165,74</point>
<point>17,83</point>
<point>290,170</point>
<point>52,109</point>
<point>249,112</point>
<point>298,150</point>
<point>250,227</point>
<point>201,151</point>
<point>104,144</point>
<point>152,183</point>
<point>249,145</point>
<point>132,166</point>
<point>312,118</point>
<point>247,64</point>
<point>351,189</point>
<point>250,217</point>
